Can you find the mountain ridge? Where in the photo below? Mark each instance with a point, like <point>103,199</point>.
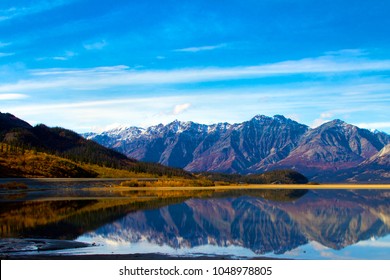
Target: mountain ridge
<point>257,145</point>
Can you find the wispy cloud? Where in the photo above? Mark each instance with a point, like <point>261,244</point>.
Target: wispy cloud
<point>95,45</point>
<point>201,48</point>
<point>318,122</point>
<point>207,106</point>
<point>180,108</point>
<point>66,56</point>
<point>87,104</point>
<point>86,71</point>
<point>103,77</point>
<point>84,116</point>
<point>35,7</point>
<point>324,117</point>
<point>374,125</point>
<point>162,95</point>
<point>12,96</point>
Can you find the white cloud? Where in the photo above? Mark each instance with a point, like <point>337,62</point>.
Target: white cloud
<point>66,56</point>
<point>88,104</point>
<point>36,7</point>
<point>326,115</point>
<point>60,58</point>
<point>374,125</point>
<point>150,110</point>
<point>144,97</point>
<point>103,77</point>
<point>200,49</point>
<point>318,122</point>
<point>77,72</point>
<point>100,129</point>
<point>202,106</point>
<point>95,45</point>
<point>12,96</point>
<point>84,116</point>
<point>180,108</point>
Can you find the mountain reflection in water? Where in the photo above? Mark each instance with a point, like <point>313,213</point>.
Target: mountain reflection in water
<point>327,218</point>
<point>254,223</point>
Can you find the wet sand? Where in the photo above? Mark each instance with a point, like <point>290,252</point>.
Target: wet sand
<point>121,257</point>
<point>44,249</point>
<point>15,245</point>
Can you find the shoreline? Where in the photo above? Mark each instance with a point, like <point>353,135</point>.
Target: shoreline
<point>266,186</point>
<point>228,187</point>
<point>45,249</point>
<point>135,256</point>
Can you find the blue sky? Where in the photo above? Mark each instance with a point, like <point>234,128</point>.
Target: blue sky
<point>91,65</point>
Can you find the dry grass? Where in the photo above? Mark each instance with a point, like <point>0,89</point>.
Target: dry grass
<point>32,164</point>
<point>106,172</point>
<point>259,187</point>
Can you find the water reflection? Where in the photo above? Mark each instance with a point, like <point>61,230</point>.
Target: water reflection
<point>314,224</point>
<point>331,219</point>
<point>57,216</point>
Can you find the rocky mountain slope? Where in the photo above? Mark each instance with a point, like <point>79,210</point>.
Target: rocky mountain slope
<point>260,144</point>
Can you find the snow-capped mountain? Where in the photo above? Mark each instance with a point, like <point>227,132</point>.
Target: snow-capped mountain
<point>260,144</point>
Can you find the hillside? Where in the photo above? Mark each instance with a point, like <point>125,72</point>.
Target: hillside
<point>332,152</point>
<point>58,152</point>
<point>17,162</point>
<point>269,177</point>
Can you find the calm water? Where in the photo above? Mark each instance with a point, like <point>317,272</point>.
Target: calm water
<point>314,224</point>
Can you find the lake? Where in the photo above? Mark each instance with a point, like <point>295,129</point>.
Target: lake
<point>236,224</point>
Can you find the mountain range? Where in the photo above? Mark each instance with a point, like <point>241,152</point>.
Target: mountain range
<point>333,152</point>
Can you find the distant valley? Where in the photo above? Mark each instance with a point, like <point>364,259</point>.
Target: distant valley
<point>333,152</point>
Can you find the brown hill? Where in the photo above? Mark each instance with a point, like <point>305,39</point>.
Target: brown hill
<point>72,148</point>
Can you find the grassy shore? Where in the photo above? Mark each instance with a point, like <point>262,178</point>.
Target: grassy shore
<point>166,184</point>
<point>266,186</point>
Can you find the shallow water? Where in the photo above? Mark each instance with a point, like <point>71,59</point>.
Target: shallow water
<point>314,224</point>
